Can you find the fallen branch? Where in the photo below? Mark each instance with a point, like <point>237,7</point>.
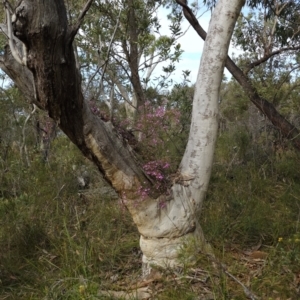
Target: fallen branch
<point>249,294</point>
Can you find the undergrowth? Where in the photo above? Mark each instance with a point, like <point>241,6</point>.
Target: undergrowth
<point>61,243</point>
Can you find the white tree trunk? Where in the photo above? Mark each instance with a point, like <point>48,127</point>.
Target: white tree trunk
<point>51,67</point>
<point>164,232</point>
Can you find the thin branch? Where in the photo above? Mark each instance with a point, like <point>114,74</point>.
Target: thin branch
<point>247,291</point>
<point>83,13</point>
<point>119,63</point>
<point>109,48</point>
<point>104,64</point>
<point>92,77</point>
<point>275,13</point>
<point>8,6</point>
<point>23,146</point>
<point>111,103</point>
<point>121,91</point>
<point>283,6</point>
<point>268,56</point>
<point>57,195</point>
<point>249,294</point>
<point>151,66</point>
<point>76,56</point>
<point>294,34</point>
<point>272,33</point>
<point>76,27</point>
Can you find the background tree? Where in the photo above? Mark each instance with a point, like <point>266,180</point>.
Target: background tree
<point>119,46</point>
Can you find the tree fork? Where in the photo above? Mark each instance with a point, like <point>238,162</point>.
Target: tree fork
<point>43,28</point>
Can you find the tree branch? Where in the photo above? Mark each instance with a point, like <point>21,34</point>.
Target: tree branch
<point>104,64</point>
<point>287,129</point>
<point>23,146</point>
<point>109,48</point>
<point>76,27</point>
<point>21,75</point>
<point>266,57</point>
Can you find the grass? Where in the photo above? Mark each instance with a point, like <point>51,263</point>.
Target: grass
<point>57,243</point>
<point>62,245</point>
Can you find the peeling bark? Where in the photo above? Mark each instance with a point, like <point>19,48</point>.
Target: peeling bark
<point>51,68</point>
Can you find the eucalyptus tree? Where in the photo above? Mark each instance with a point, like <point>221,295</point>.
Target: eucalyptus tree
<point>274,35</point>
<point>41,60</point>
<point>270,41</point>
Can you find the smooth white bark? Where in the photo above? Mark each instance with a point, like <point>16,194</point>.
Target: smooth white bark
<point>165,231</point>
<point>198,157</point>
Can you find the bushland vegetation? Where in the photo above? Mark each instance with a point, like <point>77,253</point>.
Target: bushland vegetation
<point>65,233</point>
<point>62,240</point>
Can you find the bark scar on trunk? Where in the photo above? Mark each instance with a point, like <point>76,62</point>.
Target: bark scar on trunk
<point>182,179</point>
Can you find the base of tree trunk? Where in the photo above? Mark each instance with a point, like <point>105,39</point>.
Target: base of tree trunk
<point>170,253</point>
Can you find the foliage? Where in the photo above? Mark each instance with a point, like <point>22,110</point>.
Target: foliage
<point>62,243</point>
<point>59,242</point>
<point>55,239</point>
<point>120,39</point>
<point>159,134</point>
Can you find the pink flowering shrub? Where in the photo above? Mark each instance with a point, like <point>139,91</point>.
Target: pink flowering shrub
<point>156,130</point>
<point>157,137</point>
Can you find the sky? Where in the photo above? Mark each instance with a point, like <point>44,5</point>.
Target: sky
<point>191,43</point>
